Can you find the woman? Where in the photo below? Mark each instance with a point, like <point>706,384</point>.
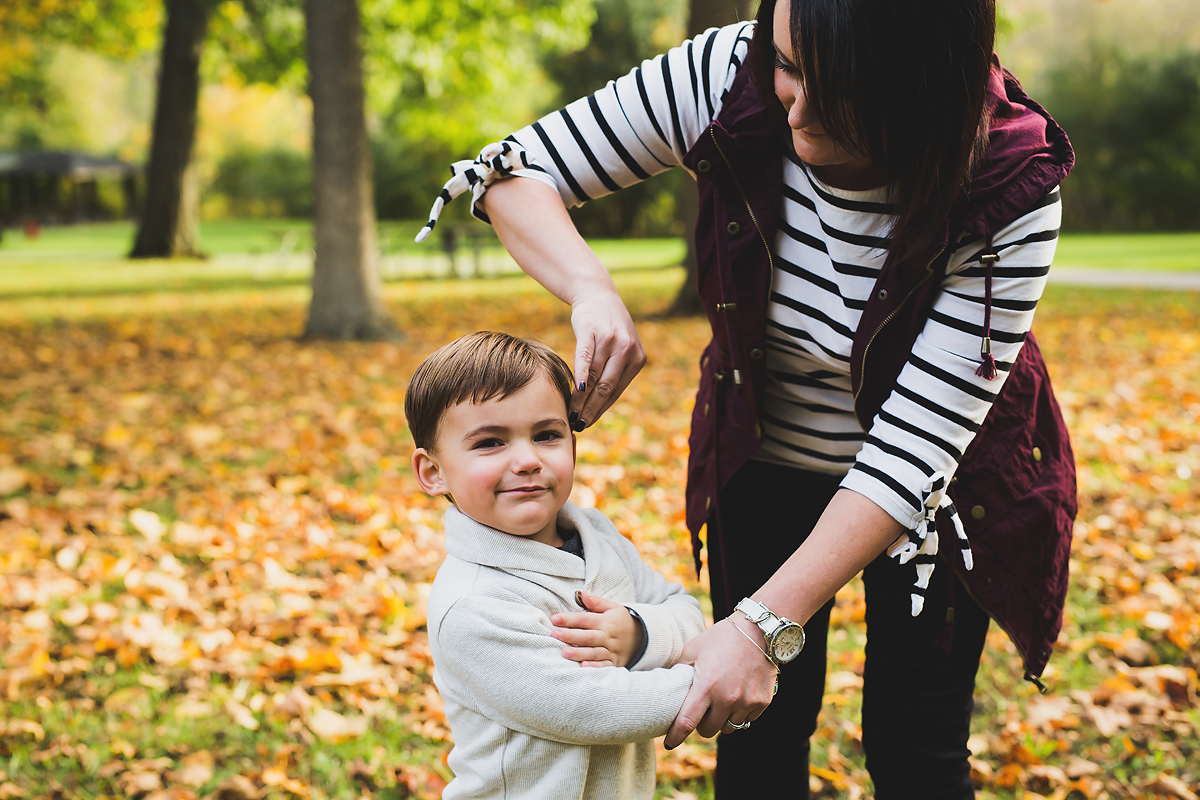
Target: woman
<point>879,209</point>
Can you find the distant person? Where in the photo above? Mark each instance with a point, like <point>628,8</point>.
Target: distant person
<point>488,413</point>
<point>879,208</point>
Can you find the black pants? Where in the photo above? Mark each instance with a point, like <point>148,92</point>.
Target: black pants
<point>917,698</point>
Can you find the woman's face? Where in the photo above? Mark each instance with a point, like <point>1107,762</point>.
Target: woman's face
<point>831,162</point>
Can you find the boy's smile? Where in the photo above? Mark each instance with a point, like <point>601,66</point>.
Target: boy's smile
<point>508,463</point>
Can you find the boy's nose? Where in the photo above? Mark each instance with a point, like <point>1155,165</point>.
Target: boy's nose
<point>525,458</point>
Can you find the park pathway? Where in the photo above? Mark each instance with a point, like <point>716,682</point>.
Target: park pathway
<point>1125,278</point>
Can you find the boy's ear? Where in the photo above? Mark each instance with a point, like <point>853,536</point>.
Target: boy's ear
<point>429,473</point>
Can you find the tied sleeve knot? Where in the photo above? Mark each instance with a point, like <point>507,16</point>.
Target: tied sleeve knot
<point>920,545</point>
<point>497,160</point>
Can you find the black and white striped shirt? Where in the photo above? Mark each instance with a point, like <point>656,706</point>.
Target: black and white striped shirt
<point>829,249</point>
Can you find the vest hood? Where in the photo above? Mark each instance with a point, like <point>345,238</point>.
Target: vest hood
<point>1027,155</point>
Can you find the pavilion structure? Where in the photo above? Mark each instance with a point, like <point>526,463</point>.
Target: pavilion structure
<point>58,187</point>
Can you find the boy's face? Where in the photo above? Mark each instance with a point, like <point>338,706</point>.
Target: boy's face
<point>508,463</point>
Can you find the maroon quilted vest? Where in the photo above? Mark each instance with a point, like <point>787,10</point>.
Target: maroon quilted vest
<point>1015,487</point>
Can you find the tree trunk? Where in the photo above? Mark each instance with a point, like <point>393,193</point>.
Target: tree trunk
<point>702,15</point>
<point>347,293</point>
<point>169,215</point>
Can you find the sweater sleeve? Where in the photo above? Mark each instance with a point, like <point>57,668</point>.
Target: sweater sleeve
<point>638,125</point>
<point>939,402</point>
<point>672,616</point>
<point>503,652</point>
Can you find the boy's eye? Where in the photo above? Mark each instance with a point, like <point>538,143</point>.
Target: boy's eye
<point>547,436</point>
<point>484,444</point>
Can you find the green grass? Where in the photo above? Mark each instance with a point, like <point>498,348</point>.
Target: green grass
<point>110,241</point>
<point>1142,251</point>
<point>88,261</point>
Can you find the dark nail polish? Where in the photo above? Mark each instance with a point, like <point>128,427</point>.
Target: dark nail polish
<point>580,425</point>
<point>573,418</point>
<point>582,386</point>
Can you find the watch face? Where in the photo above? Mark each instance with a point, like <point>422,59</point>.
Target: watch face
<point>788,643</point>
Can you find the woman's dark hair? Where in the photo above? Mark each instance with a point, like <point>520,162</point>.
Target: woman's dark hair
<point>901,84</point>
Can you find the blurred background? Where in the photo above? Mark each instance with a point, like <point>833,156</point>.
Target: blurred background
<point>213,556</point>
<point>442,79</point>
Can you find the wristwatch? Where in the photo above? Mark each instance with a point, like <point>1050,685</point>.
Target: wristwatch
<point>785,639</point>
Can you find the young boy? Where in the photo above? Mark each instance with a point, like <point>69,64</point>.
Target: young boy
<point>488,413</point>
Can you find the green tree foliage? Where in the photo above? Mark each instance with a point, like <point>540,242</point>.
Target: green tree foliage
<point>31,34</point>
<point>625,33</point>
<point>443,78</point>
<point>446,78</point>
<point>261,40</point>
<point>1135,124</point>
<point>272,183</point>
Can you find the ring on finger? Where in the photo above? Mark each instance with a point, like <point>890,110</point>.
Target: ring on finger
<point>738,726</point>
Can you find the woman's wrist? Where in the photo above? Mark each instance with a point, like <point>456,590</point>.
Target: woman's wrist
<point>751,632</point>
<point>588,289</point>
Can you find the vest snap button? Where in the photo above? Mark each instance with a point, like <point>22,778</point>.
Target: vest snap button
<point>756,353</point>
<point>1037,454</point>
<point>758,431</point>
<point>977,512</point>
<point>883,294</point>
<point>707,503</point>
<point>703,166</point>
<point>733,228</point>
<point>706,409</point>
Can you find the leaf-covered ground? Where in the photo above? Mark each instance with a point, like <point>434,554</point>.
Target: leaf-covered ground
<point>213,557</point>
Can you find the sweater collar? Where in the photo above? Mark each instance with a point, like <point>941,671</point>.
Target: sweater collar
<point>488,547</point>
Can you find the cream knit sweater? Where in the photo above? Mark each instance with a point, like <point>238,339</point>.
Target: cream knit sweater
<point>528,723</point>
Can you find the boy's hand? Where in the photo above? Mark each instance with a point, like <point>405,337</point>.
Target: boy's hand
<point>606,635</point>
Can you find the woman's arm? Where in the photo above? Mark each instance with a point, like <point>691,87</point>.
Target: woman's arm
<point>637,126</point>
<point>733,679</point>
<point>535,228</point>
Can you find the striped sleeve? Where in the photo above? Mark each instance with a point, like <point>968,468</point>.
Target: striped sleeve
<point>939,402</point>
<point>638,125</point>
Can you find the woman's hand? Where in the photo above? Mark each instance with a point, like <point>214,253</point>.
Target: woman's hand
<point>605,635</point>
<point>734,683</point>
<point>608,354</point>
<point>535,228</point>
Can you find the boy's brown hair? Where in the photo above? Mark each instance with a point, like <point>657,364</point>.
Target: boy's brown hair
<point>477,367</point>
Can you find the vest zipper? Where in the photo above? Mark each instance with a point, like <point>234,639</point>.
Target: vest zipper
<point>888,319</point>
<point>754,219</point>
<point>737,378</point>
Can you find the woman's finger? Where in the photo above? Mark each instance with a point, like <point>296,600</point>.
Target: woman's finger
<point>608,354</point>
<point>585,350</point>
<point>694,707</point>
<point>622,359</point>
